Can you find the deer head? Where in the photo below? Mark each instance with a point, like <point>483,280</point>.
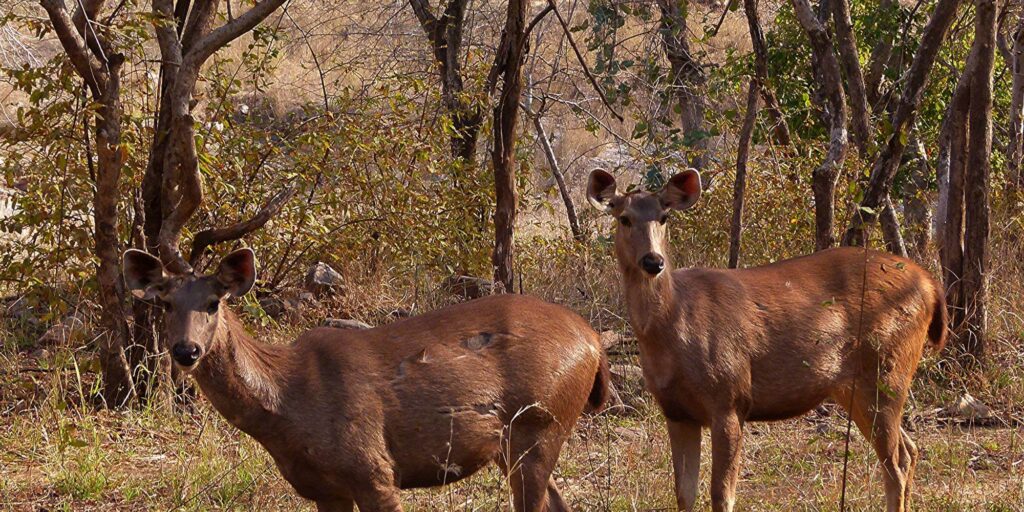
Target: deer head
<point>191,303</point>
<point>640,235</point>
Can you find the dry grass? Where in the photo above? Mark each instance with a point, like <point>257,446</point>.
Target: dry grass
<point>57,456</point>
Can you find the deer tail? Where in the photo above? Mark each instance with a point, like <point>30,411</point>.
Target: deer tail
<point>600,392</point>
<point>937,332</point>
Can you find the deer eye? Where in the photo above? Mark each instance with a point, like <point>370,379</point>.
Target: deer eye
<point>624,220</point>
<point>212,307</point>
<point>663,219</point>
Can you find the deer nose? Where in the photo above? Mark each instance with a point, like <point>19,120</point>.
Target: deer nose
<point>652,263</point>
<point>186,353</point>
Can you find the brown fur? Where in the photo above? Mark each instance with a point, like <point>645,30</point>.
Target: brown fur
<point>355,415</point>
<point>722,347</point>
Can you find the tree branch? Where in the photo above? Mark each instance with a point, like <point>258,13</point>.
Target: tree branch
<point>221,36</point>
<point>209,237</point>
<point>579,57</point>
<point>71,40</point>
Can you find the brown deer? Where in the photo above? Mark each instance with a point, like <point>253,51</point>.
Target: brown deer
<point>353,416</point>
<point>723,347</point>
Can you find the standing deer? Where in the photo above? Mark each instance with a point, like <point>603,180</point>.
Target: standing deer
<point>351,417</point>
<point>723,347</point>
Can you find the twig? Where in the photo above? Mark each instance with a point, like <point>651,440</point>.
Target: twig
<point>579,57</point>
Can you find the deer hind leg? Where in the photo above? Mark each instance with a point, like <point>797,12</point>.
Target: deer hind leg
<point>685,439</point>
<point>527,462</point>
<point>878,414</point>
<point>909,456</point>
<point>726,443</point>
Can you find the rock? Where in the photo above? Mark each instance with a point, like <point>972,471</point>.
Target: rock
<point>323,280</point>
<point>627,377</point>
<point>468,287</point>
<point>969,408</point>
<point>345,323</point>
<point>610,338</point>
<point>64,332</point>
<point>285,304</point>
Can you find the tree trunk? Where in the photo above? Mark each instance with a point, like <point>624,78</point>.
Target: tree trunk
<point>445,36</point>
<point>780,129</point>
<point>976,193</point>
<point>826,175</point>
<point>891,230</point>
<point>850,60</point>
<point>879,57</point>
<point>99,67</point>
<point>916,206</point>
<point>1015,142</point>
<point>556,171</point>
<point>746,132</point>
<point>884,169</point>
<point>506,115</point>
<point>687,76</point>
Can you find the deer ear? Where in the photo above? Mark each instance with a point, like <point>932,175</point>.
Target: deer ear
<point>682,190</point>
<point>601,189</point>
<point>237,272</point>
<point>143,274</point>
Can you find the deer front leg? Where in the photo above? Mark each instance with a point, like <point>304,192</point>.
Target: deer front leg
<point>726,442</point>
<point>685,440</point>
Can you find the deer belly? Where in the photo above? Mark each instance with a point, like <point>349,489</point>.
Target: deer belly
<point>439,445</point>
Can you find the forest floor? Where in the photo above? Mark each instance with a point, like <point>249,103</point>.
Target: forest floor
<point>56,455</point>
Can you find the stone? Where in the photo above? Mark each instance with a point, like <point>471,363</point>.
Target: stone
<point>345,323</point>
<point>323,280</point>
<point>970,409</point>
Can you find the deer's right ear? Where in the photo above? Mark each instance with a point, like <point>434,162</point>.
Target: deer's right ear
<point>143,274</point>
<point>601,189</point>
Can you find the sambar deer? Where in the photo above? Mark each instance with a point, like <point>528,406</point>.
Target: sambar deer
<point>353,416</point>
<point>722,347</point>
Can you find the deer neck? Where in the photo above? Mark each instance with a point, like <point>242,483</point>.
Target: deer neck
<point>243,379</point>
<point>648,299</point>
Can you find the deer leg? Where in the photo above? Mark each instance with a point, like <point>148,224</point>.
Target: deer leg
<point>685,440</point>
<point>378,498</point>
<point>726,442</point>
<point>908,463</point>
<point>555,501</point>
<point>527,463</point>
<point>344,505</point>
<point>878,415</point>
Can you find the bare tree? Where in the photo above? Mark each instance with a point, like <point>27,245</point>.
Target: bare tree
<point>952,170</point>
<point>445,36</point>
<point>508,64</point>
<point>760,47</point>
<point>172,187</point>
<point>886,163</point>
<point>976,190</point>
<point>99,65</point>
<point>687,76</point>
<point>746,133</point>
<point>826,175</point>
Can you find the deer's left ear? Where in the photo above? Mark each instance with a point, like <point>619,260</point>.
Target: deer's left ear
<point>144,274</point>
<point>237,272</point>
<point>682,190</point>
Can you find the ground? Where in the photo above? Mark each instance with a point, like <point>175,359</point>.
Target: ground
<point>56,455</point>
